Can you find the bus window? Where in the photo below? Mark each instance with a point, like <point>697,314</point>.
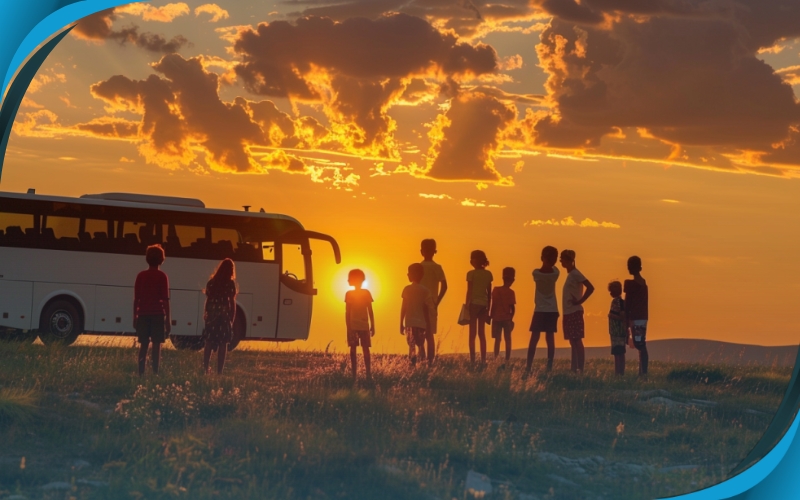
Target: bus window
<point>268,251</point>
<point>225,240</point>
<point>127,237</point>
<point>16,228</point>
<point>63,227</point>
<point>292,261</point>
<point>187,241</point>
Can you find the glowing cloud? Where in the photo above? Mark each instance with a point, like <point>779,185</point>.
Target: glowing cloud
<point>570,222</point>
<point>217,12</point>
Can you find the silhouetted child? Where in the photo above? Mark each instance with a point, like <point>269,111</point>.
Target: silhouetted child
<point>617,327</point>
<point>502,315</point>
<point>545,311</point>
<point>573,296</point>
<point>415,313</point>
<point>151,315</point>
<point>219,313</point>
<point>360,321</point>
<point>636,311</point>
<point>433,279</point>
<point>479,292</point>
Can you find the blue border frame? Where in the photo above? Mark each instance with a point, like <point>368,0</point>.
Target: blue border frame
<point>767,472</point>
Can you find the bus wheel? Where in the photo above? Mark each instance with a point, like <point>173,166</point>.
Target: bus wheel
<point>60,323</point>
<point>187,342</point>
<point>16,335</point>
<point>239,329</point>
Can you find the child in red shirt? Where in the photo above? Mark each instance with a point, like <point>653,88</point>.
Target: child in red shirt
<point>151,315</point>
<point>503,308</point>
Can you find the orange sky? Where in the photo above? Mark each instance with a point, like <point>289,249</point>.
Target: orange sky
<point>503,129</point>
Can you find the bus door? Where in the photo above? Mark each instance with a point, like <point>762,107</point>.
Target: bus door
<point>297,283</point>
<point>294,301</point>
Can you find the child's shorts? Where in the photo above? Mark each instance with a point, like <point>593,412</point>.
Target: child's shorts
<point>544,322</point>
<point>415,336</point>
<point>573,326</point>
<point>150,328</point>
<point>498,327</point>
<point>354,337</point>
<point>639,333</point>
<point>477,311</point>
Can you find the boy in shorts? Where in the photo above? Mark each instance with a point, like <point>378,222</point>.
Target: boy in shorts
<point>360,321</point>
<point>636,311</point>
<point>433,279</point>
<point>415,313</point>
<point>503,309</point>
<point>151,315</point>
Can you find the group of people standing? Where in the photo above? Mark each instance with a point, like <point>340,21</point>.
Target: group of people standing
<point>151,312</point>
<point>496,307</point>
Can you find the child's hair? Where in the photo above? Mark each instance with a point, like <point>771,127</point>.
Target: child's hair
<point>427,246</point>
<point>154,255</point>
<point>615,287</point>
<point>568,255</point>
<point>509,273</point>
<point>356,275</point>
<point>225,271</point>
<point>480,256</point>
<point>550,254</point>
<point>634,264</point>
<point>415,272</point>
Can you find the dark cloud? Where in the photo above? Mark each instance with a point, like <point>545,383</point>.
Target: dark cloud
<point>689,81</point>
<point>99,27</point>
<point>358,68</point>
<point>182,115</point>
<point>466,138</point>
<point>465,17</point>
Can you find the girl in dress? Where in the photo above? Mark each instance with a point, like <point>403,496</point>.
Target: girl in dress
<point>220,312</point>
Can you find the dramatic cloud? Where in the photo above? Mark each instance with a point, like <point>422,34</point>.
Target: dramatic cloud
<point>468,18</point>
<point>570,222</point>
<point>98,28</point>
<point>217,12</point>
<point>183,116</point>
<point>357,68</point>
<point>465,140</point>
<point>685,74</point>
<point>164,14</point>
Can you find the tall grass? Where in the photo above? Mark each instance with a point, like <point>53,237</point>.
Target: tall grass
<point>290,424</point>
<point>17,406</point>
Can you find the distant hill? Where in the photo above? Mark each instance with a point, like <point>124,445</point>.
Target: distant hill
<point>690,351</point>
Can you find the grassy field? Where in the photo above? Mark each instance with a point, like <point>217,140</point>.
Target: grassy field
<point>76,422</point>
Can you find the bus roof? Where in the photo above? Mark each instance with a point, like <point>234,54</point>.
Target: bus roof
<point>132,200</point>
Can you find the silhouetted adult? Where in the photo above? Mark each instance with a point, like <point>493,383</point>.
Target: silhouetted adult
<point>636,311</point>
<point>151,314</point>
<point>220,313</point>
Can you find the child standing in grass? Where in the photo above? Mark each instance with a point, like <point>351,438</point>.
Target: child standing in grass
<point>219,314</point>
<point>360,321</point>
<point>576,290</point>
<point>617,327</point>
<point>479,291</point>
<point>503,309</point>
<point>545,311</point>
<point>433,279</point>
<point>636,302</point>
<point>151,315</point>
<point>415,313</point>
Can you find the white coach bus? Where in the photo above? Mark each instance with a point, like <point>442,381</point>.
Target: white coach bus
<point>68,266</point>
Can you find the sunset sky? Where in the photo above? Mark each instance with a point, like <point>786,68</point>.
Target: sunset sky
<point>669,129</point>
